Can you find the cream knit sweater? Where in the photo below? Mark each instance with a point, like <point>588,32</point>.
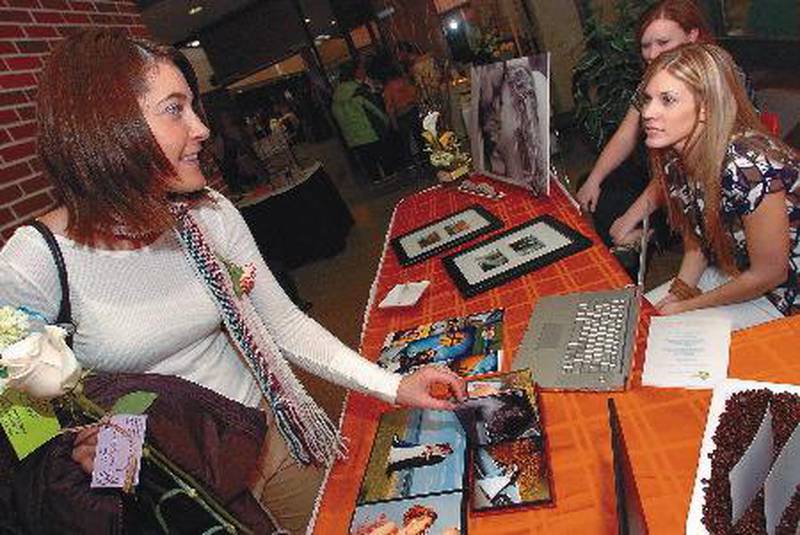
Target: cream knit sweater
<point>146,311</point>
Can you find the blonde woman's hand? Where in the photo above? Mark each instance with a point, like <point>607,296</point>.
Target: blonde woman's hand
<point>431,387</point>
<point>668,304</point>
<point>675,307</point>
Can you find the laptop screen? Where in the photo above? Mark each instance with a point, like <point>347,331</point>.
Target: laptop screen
<point>630,515</point>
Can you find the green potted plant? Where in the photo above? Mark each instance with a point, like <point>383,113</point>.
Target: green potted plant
<point>606,76</point>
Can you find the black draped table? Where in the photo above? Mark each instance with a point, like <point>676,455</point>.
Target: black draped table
<point>298,224</point>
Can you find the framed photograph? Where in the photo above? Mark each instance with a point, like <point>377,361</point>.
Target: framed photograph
<point>415,453</point>
<point>509,123</point>
<point>468,345</point>
<point>449,231</point>
<point>508,255</point>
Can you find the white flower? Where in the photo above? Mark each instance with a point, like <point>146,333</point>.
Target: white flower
<point>429,122</point>
<point>13,325</point>
<point>41,365</point>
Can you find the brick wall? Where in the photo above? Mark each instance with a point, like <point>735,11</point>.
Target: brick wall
<point>28,31</point>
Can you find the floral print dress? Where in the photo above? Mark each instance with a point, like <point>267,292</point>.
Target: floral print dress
<point>754,166</point>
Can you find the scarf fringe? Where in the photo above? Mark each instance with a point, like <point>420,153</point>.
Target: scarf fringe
<point>309,434</point>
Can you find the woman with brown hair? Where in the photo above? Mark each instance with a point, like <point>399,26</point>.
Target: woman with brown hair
<point>617,207</point>
<point>731,188</point>
<point>165,277</point>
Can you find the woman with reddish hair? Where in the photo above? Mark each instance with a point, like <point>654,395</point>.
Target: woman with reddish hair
<point>665,26</point>
<point>164,275</point>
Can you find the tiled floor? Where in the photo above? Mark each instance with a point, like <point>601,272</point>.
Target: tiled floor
<point>339,287</point>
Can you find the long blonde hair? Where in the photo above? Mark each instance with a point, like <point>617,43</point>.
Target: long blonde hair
<point>715,82</point>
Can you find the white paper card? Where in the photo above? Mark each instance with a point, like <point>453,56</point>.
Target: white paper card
<point>782,481</point>
<point>119,451</point>
<point>687,353</point>
<point>747,476</point>
<point>403,295</point>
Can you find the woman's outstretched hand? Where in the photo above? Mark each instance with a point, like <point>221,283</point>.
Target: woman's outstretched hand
<point>422,388</point>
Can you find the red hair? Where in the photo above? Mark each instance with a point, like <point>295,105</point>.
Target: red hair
<point>686,13</point>
<point>418,511</point>
<point>107,168</point>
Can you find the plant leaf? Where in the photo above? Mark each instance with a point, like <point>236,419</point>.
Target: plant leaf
<point>134,403</point>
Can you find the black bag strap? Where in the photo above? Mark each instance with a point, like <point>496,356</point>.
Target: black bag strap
<point>65,308</point>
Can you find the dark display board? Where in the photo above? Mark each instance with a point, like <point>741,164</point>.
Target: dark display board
<point>351,13</point>
<point>253,38</point>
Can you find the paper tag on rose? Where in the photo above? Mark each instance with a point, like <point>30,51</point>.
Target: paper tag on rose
<point>118,456</point>
<point>28,423</point>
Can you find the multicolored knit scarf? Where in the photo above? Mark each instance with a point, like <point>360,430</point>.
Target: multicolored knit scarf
<point>309,433</point>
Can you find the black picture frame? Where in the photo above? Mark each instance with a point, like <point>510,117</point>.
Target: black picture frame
<point>524,248</point>
<point>410,249</point>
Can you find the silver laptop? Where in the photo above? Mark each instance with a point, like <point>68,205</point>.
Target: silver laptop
<point>584,340</point>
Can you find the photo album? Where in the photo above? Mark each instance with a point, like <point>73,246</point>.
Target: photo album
<point>428,468</point>
<point>507,459</point>
<point>415,476</point>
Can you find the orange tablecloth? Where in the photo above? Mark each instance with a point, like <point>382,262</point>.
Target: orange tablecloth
<point>663,428</point>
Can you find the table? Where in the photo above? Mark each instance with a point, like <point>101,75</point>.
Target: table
<point>301,223</point>
<point>663,427</point>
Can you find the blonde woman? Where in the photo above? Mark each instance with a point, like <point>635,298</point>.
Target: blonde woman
<point>731,188</point>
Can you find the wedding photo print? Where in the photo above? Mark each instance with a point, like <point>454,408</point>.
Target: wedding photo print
<point>468,345</point>
<point>502,417</point>
<point>510,121</point>
<point>415,453</point>
<point>442,514</point>
<point>509,474</point>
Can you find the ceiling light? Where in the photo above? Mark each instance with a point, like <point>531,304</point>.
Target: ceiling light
<point>333,23</point>
<point>453,24</point>
<point>307,20</point>
<point>193,44</point>
<point>194,10</point>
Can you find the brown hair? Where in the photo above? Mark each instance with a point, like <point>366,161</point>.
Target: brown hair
<point>686,13</point>
<point>107,168</point>
<point>712,77</point>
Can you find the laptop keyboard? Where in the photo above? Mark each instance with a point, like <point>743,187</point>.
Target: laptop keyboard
<point>598,337</point>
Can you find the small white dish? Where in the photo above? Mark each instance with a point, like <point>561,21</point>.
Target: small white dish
<point>404,295</point>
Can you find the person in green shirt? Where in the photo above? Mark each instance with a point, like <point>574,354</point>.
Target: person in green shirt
<point>362,122</point>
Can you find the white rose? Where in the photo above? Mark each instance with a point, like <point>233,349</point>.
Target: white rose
<point>41,365</point>
<point>429,122</point>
